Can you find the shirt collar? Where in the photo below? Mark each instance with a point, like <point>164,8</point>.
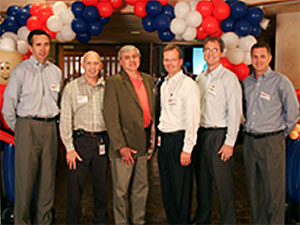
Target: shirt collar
<point>264,75</point>
<point>100,82</point>
<point>37,63</point>
<point>214,72</point>
<point>176,77</point>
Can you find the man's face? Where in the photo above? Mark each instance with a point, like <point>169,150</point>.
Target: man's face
<point>212,54</point>
<point>40,47</point>
<point>91,65</point>
<point>130,61</point>
<point>172,62</point>
<point>260,60</point>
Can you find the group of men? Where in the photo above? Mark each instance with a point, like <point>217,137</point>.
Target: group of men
<point>115,119</point>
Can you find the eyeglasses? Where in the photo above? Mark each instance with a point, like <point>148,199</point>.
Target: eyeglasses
<point>214,50</point>
<point>127,57</point>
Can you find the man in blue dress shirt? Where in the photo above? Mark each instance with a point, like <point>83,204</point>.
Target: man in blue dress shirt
<point>271,110</point>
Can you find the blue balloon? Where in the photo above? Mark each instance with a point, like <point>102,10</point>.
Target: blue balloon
<point>254,15</point>
<point>168,10</point>
<point>79,25</point>
<point>104,20</point>
<point>162,22</point>
<point>231,2</point>
<point>83,37</point>
<point>22,17</point>
<point>255,31</point>
<point>242,27</point>
<point>166,35</point>
<point>10,24</point>
<point>90,13</point>
<point>238,10</point>
<point>153,8</point>
<point>12,10</point>
<point>148,24</point>
<point>2,29</point>
<point>27,6</point>
<point>95,28</point>
<point>77,8</point>
<point>227,25</point>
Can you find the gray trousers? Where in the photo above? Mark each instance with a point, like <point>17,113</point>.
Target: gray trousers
<point>135,179</point>
<point>264,160</point>
<point>35,164</point>
<point>210,168</point>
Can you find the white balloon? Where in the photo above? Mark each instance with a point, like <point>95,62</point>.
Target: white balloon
<point>193,19</point>
<point>67,33</point>
<point>66,16</point>
<point>59,37</point>
<point>178,37</point>
<point>9,35</point>
<point>8,44</point>
<point>189,34</point>
<point>247,59</point>
<point>23,33</point>
<point>231,40</point>
<point>245,43</point>
<point>22,47</point>
<point>182,9</point>
<point>235,55</point>
<point>193,4</point>
<point>178,26</point>
<point>54,24</point>
<point>58,7</point>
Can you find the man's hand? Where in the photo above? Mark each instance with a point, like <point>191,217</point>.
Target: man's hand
<point>152,142</point>
<point>71,159</point>
<point>185,158</point>
<point>126,154</point>
<point>226,152</point>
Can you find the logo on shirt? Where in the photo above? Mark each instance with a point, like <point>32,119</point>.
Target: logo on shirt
<point>265,96</point>
<point>54,87</point>
<point>211,89</point>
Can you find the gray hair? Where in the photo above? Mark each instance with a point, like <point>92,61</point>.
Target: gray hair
<point>127,48</point>
<point>89,53</point>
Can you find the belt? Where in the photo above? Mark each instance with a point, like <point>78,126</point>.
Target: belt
<point>88,133</point>
<point>213,128</point>
<point>263,135</point>
<point>50,119</point>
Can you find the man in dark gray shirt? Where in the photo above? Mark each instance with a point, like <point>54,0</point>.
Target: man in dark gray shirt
<point>271,110</point>
<point>30,109</point>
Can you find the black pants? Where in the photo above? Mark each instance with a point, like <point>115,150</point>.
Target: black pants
<point>87,148</point>
<point>176,180</point>
<point>209,168</point>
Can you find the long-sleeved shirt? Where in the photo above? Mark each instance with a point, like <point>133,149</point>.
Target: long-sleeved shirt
<point>81,108</point>
<point>180,108</point>
<point>221,101</point>
<point>271,103</point>
<point>32,91</point>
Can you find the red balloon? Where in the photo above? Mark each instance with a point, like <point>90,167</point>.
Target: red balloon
<point>205,8</point>
<point>35,8</point>
<point>226,63</point>
<point>201,34</point>
<point>131,2</point>
<point>218,33</point>
<point>163,2</point>
<point>210,24</point>
<point>140,9</point>
<point>221,10</point>
<point>34,23</point>
<point>105,9</point>
<point>241,70</point>
<point>90,2</point>
<point>214,2</point>
<point>116,3</point>
<point>45,12</point>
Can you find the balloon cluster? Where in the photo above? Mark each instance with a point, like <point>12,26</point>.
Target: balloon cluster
<point>14,28</point>
<point>90,17</point>
<point>156,16</point>
<point>243,20</point>
<point>237,53</point>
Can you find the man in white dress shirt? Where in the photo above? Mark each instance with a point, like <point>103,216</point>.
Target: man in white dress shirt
<point>178,124</point>
<point>221,113</point>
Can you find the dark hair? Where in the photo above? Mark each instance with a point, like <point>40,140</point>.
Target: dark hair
<point>36,32</point>
<point>170,47</point>
<point>261,44</point>
<point>212,39</point>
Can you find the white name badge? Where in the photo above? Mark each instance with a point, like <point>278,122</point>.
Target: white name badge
<point>171,101</point>
<point>54,87</point>
<point>265,96</point>
<point>82,99</point>
<point>211,90</point>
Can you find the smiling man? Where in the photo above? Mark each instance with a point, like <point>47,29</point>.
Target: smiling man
<point>129,117</point>
<point>271,113</point>
<point>84,135</point>
<point>221,114</point>
<point>30,108</point>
